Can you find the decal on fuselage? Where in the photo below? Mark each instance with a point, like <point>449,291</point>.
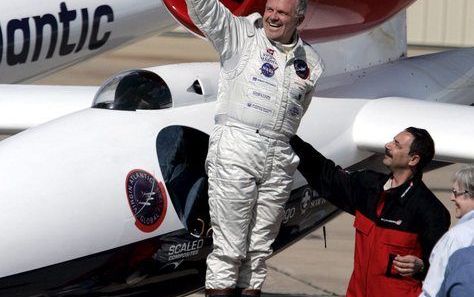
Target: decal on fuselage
<point>16,36</point>
<point>310,200</point>
<point>147,199</point>
<point>185,249</point>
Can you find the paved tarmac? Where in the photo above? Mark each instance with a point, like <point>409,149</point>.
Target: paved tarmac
<point>306,268</point>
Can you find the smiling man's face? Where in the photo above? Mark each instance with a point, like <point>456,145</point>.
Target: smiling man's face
<point>280,20</point>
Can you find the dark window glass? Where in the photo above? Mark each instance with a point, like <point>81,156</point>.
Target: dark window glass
<point>182,153</point>
<point>132,90</point>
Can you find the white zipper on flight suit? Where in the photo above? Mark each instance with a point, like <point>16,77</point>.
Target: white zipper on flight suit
<point>284,93</point>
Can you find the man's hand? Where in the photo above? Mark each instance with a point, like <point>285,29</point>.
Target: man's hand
<point>408,265</point>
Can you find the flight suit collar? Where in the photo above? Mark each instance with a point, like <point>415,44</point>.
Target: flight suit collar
<point>297,50</point>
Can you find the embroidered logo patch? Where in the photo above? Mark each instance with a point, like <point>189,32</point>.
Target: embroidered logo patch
<point>259,95</point>
<point>147,200</point>
<point>262,82</point>
<point>294,111</point>
<point>267,69</point>
<point>301,68</point>
<point>259,108</point>
<point>268,57</point>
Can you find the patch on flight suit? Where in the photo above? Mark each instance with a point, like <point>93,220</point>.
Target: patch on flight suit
<point>261,82</point>
<point>255,94</point>
<point>259,108</point>
<point>269,63</point>
<point>267,57</point>
<point>297,92</point>
<point>301,68</point>
<point>295,111</point>
<point>267,69</point>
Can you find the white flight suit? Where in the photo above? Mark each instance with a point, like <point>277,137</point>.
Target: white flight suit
<point>264,91</point>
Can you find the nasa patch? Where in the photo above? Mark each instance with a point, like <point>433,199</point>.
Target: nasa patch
<point>267,69</point>
<point>147,199</point>
<point>301,68</point>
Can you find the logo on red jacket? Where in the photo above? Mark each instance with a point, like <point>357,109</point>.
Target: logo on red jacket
<point>147,199</point>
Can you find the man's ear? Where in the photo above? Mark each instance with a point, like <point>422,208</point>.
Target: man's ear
<point>414,160</point>
<point>300,20</point>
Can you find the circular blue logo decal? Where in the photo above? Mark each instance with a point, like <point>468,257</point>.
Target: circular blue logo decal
<point>267,69</point>
<point>147,200</point>
<point>301,68</point>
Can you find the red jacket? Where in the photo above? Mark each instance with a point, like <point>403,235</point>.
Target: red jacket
<point>410,222</point>
<point>373,274</point>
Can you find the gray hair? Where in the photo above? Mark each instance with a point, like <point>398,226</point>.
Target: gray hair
<point>301,7</point>
<point>464,177</point>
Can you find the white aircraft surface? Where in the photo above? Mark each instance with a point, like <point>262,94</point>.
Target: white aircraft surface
<point>111,200</point>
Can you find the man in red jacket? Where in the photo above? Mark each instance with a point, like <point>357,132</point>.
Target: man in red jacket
<point>398,220</point>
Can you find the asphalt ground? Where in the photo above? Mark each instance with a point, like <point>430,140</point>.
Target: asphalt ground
<point>306,268</point>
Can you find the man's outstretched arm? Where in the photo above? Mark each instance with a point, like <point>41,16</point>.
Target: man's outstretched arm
<point>219,25</point>
<point>330,180</point>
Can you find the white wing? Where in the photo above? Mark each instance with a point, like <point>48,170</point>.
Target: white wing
<point>451,126</point>
<point>25,106</point>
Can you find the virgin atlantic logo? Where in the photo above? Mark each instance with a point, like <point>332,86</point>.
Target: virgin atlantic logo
<point>147,200</point>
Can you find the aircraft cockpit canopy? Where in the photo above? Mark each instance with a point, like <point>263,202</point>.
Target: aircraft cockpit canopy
<point>132,90</point>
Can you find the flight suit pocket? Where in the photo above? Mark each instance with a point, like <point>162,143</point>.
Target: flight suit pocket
<point>212,153</point>
<point>365,229</point>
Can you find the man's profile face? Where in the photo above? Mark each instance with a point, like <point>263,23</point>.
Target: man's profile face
<point>397,152</point>
<point>280,20</point>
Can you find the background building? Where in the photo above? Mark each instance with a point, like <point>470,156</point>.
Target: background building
<point>439,23</point>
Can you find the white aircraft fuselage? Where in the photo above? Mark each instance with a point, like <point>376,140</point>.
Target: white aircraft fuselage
<point>37,39</point>
<point>111,200</point>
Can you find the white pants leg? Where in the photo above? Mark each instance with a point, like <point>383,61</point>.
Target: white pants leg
<point>273,194</point>
<point>249,181</point>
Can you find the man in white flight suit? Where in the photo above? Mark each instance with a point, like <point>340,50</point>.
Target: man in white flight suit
<point>266,84</point>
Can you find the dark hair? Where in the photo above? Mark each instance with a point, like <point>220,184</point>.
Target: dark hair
<point>423,146</point>
<point>301,7</point>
